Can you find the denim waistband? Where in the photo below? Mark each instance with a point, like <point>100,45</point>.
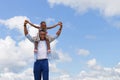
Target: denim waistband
<point>41,59</point>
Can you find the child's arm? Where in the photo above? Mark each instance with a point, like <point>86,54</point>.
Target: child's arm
<point>32,24</point>
<point>54,25</point>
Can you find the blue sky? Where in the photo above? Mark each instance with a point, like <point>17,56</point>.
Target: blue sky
<point>88,46</point>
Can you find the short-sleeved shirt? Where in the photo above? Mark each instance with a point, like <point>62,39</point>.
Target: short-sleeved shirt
<point>42,47</point>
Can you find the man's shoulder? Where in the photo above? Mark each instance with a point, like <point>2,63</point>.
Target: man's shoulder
<point>51,38</point>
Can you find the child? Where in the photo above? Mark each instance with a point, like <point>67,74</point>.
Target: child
<point>44,28</point>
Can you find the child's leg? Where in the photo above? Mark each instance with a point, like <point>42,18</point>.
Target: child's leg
<point>48,45</point>
<point>36,46</point>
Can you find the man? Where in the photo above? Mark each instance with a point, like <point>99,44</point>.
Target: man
<point>41,63</point>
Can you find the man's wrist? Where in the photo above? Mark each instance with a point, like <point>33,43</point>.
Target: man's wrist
<point>60,29</point>
<point>24,25</point>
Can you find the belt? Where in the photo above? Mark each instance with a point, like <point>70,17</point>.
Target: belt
<point>41,59</point>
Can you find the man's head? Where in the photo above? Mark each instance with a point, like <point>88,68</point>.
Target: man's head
<point>43,25</point>
<point>42,35</point>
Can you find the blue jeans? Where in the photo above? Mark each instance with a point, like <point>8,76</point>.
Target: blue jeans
<point>41,68</point>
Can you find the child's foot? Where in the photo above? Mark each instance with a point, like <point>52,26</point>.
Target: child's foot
<point>49,51</point>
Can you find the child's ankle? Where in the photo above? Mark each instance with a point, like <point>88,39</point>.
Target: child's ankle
<point>35,50</point>
<point>49,50</point>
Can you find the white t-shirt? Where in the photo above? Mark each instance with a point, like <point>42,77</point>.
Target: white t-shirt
<point>42,50</point>
<point>42,47</point>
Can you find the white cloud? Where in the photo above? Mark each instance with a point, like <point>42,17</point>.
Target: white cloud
<point>83,52</point>
<point>97,72</point>
<point>53,67</point>
<point>64,57</point>
<point>103,73</point>
<point>25,75</point>
<point>15,58</point>
<point>106,7</point>
<point>33,31</point>
<point>59,56</point>
<point>63,77</point>
<point>15,22</point>
<point>93,64</point>
<point>92,74</point>
<point>53,44</point>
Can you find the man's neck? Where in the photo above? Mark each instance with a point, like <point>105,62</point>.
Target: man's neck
<point>42,39</point>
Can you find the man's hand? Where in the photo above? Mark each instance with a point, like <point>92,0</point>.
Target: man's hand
<point>25,22</point>
<point>60,23</point>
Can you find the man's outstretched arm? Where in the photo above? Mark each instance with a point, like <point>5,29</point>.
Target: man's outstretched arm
<point>26,32</point>
<point>57,34</point>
